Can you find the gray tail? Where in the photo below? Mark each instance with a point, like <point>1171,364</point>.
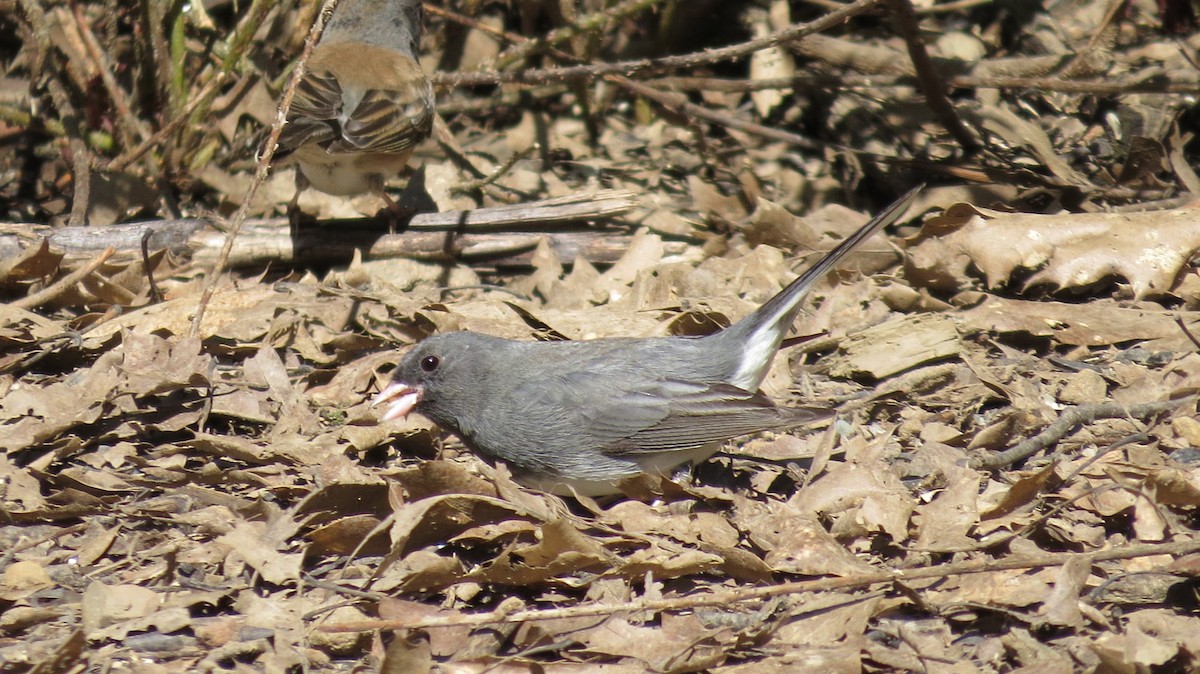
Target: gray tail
<point>781,309</point>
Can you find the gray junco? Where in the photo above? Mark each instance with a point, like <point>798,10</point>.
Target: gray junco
<point>363,104</point>
<point>585,415</point>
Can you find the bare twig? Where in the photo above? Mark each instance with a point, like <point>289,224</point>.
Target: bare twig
<point>681,105</point>
<point>81,165</point>
<point>649,67</point>
<point>1069,420</point>
<point>127,121</point>
<point>522,49</point>
<point>340,589</point>
<point>239,40</point>
<point>841,81</point>
<point>159,136</point>
<point>39,33</point>
<point>264,163</point>
<point>262,241</point>
<point>1187,332</point>
<point>156,54</point>
<point>780,589</point>
<point>23,545</point>
<point>479,183</point>
<point>931,81</point>
<point>60,286</point>
<point>155,295</point>
<point>952,7</point>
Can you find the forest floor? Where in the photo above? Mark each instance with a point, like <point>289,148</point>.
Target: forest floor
<point>193,479</point>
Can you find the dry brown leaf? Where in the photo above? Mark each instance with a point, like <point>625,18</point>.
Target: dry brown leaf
<point>407,653</point>
<point>1148,521</point>
<point>827,618</point>
<point>1172,487</point>
<point>104,605</point>
<point>864,495</point>
<point>19,327</point>
<point>1019,132</point>
<point>22,579</point>
<point>32,264</point>
<point>794,541</point>
<point>897,345</point>
<point>681,643</point>
<point>142,365</point>
<point>1093,324</point>
<point>948,520</point>
<point>1062,605</point>
<point>348,534</point>
<point>773,225</point>
<point>1015,588</point>
<point>1020,493</point>
<point>561,551</point>
<point>1070,250</point>
<point>257,544</point>
<point>1150,640</point>
<point>440,518</point>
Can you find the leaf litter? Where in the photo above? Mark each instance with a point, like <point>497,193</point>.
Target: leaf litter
<point>226,500</point>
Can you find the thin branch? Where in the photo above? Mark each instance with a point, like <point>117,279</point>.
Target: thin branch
<point>264,163</point>
<point>1187,332</point>
<point>843,81</point>
<point>127,121</point>
<point>155,294</point>
<point>1069,419</point>
<point>480,183</point>
<point>680,104</point>
<point>263,241</point>
<point>780,589</point>
<point>931,81</point>
<point>81,161</point>
<point>521,50</point>
<point>60,286</point>
<point>184,115</point>
<point>238,42</point>
<point>649,67</point>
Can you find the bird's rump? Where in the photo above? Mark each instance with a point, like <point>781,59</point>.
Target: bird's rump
<point>386,107</point>
<point>391,120</point>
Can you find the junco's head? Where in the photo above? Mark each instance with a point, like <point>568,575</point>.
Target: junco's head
<point>443,373</point>
<point>585,415</point>
<point>363,104</point>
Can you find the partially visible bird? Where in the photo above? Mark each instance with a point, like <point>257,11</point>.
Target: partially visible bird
<point>363,104</point>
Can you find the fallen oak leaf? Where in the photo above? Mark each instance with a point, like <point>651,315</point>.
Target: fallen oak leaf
<point>1068,250</point>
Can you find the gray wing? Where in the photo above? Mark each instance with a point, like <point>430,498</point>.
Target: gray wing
<point>699,414</point>
<point>658,415</point>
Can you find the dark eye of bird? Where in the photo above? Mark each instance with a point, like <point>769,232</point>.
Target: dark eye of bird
<point>429,363</point>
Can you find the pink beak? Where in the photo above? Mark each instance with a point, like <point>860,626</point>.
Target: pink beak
<point>403,399</point>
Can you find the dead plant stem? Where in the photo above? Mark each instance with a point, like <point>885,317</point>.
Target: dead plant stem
<point>263,166</point>
<point>648,67</point>
<point>61,285</point>
<point>726,597</point>
<point>1066,423</point>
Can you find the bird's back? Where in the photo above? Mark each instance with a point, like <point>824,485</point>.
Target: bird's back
<point>392,24</point>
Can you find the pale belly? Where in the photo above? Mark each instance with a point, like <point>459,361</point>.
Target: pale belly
<point>346,175</point>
